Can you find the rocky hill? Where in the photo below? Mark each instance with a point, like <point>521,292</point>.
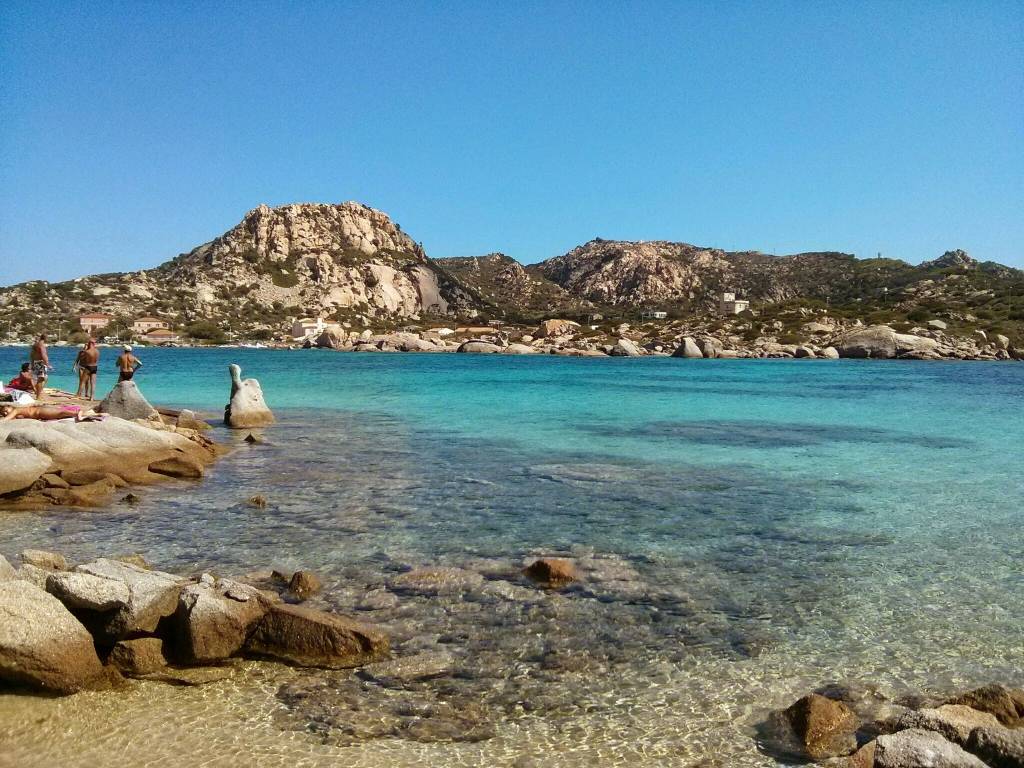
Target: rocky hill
<point>337,261</point>
<point>351,263</point>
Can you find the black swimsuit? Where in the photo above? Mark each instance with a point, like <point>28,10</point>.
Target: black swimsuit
<point>90,369</point>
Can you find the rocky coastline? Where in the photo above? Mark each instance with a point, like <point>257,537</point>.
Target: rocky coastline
<point>99,625</point>
<point>821,338</point>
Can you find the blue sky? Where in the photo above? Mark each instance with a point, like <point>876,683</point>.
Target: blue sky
<point>132,132</point>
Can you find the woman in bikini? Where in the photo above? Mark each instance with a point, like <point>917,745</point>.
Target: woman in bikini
<point>47,413</point>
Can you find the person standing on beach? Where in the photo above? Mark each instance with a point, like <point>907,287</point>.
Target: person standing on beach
<point>127,364</point>
<point>40,360</point>
<point>88,364</point>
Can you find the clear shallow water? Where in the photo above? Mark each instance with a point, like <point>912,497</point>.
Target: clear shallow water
<point>749,530</point>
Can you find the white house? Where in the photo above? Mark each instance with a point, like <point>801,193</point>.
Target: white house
<point>653,314</point>
<point>730,305</point>
<point>309,327</point>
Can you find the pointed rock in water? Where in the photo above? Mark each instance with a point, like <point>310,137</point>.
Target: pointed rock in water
<point>247,407</point>
<point>688,349</point>
<point>304,584</point>
<point>42,645</point>
<point>825,727</point>
<point>126,402</point>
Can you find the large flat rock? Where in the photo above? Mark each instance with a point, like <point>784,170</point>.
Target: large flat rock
<point>152,595</point>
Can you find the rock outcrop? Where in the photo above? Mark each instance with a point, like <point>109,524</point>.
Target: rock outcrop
<point>247,408</point>
<point>126,401</point>
<point>42,645</point>
<point>308,638</point>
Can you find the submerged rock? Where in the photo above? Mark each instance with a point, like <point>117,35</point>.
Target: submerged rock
<point>405,669</point>
<point>42,645</point>
<point>126,401</point>
<point>310,638</point>
<point>551,572</point>
<point>436,581</point>
<point>247,407</point>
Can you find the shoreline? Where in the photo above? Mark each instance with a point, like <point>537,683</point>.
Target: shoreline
<point>393,700</point>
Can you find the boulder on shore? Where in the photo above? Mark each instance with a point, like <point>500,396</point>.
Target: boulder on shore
<point>42,645</point>
<point>625,348</point>
<point>478,347</point>
<point>1006,704</point>
<point>309,638</point>
<point>688,348</point>
<point>881,341</point>
<point>247,407</point>
<point>551,328</point>
<point>125,401</point>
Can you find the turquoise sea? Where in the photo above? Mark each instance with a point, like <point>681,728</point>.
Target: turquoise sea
<point>748,531</point>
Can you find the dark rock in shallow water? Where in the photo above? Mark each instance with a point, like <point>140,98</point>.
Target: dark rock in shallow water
<point>812,728</point>
<point>310,638</point>
<point>405,669</point>
<point>552,571</point>
<point>436,581</point>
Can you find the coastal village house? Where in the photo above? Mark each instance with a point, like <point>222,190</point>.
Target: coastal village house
<point>144,325</point>
<point>653,314</point>
<point>161,336</point>
<point>307,327</point>
<point>730,305</point>
<point>94,321</point>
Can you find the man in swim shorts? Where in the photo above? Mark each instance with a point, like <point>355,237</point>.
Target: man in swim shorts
<point>127,364</point>
<point>88,363</point>
<point>40,360</point>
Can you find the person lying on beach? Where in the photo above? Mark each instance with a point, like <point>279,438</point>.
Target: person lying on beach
<point>127,364</point>
<point>23,381</point>
<point>47,413</point>
<point>88,364</point>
